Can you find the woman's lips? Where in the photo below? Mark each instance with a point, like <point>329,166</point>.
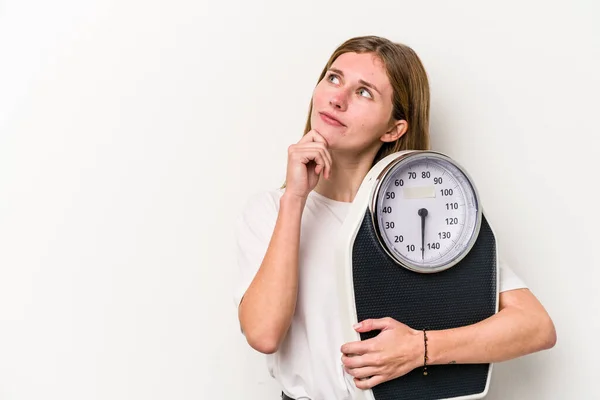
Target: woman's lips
<point>330,119</point>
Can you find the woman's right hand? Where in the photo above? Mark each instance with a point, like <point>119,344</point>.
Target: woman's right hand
<point>308,160</point>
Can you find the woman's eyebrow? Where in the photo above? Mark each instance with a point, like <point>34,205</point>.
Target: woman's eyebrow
<point>362,82</point>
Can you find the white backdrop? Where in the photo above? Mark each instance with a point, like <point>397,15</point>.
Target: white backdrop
<point>132,132</point>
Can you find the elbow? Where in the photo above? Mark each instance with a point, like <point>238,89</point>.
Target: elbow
<point>550,335</point>
<point>262,343</point>
<point>263,340</point>
<point>263,335</point>
<point>264,346</point>
<point>546,333</point>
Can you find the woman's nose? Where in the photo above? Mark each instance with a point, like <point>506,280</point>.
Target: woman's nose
<point>338,101</point>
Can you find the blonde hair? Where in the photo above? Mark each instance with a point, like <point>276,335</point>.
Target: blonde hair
<point>409,84</point>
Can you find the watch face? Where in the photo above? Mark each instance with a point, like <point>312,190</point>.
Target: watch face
<point>427,212</point>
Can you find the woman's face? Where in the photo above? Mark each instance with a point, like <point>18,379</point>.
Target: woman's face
<point>352,105</point>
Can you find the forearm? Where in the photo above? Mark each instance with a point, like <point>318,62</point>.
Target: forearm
<point>510,333</point>
<point>269,302</point>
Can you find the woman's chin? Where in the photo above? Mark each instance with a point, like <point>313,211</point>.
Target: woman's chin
<point>331,135</point>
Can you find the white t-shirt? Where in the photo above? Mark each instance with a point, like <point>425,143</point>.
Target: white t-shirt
<point>308,362</point>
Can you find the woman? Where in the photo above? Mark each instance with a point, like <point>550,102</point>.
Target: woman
<point>372,99</point>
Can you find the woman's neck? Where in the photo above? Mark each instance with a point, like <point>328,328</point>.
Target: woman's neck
<point>347,174</point>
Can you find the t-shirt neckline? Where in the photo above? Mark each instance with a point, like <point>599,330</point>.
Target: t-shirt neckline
<point>327,200</point>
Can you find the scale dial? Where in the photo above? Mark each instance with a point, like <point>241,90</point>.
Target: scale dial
<point>426,211</point>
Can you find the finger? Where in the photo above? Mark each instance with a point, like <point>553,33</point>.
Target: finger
<point>317,146</point>
<point>319,138</point>
<point>313,136</point>
<point>359,347</point>
<point>373,324</point>
<point>322,148</point>
<point>364,372</point>
<point>308,137</point>
<point>319,168</point>
<point>329,163</point>
<point>306,156</point>
<point>327,158</point>
<point>360,361</point>
<point>369,382</point>
<point>318,159</point>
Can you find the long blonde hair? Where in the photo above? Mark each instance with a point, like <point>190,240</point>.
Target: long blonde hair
<point>409,84</point>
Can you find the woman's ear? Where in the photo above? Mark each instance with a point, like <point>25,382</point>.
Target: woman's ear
<point>396,131</point>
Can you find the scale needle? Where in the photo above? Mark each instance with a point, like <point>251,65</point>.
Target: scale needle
<point>423,213</point>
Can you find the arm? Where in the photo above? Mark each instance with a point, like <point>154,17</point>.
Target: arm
<point>521,326</point>
<point>268,305</point>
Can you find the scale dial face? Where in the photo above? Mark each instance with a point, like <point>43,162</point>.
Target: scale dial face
<point>426,211</point>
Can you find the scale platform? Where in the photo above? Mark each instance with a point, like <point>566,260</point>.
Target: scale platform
<point>373,284</point>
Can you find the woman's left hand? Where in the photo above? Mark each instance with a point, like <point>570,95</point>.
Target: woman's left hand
<point>395,351</point>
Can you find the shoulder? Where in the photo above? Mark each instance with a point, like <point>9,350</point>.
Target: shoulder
<point>259,211</point>
<point>266,201</point>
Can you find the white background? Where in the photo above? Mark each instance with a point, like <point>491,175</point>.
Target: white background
<point>132,133</point>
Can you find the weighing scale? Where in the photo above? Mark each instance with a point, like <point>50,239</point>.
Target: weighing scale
<point>416,246</point>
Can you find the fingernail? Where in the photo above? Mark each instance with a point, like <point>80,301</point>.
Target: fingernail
<point>356,326</point>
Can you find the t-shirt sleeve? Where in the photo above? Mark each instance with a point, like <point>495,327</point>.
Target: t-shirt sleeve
<point>254,228</point>
<point>509,280</point>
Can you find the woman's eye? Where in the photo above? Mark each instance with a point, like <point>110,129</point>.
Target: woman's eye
<point>365,92</point>
<point>333,79</point>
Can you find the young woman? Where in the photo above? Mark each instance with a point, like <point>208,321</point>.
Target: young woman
<point>372,99</point>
